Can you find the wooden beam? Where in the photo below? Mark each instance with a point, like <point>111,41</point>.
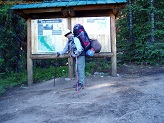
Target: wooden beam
<point>70,59</point>
<point>42,10</point>
<point>99,7</point>
<point>92,13</point>
<point>102,55</point>
<point>116,11</point>
<point>47,56</point>
<point>20,13</point>
<point>75,8</point>
<point>46,15</point>
<point>53,56</point>
<point>79,11</point>
<point>77,14</point>
<point>29,59</point>
<point>113,42</point>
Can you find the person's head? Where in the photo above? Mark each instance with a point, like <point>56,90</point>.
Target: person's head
<point>67,33</point>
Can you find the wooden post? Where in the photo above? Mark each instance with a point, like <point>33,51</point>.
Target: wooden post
<point>70,59</point>
<point>113,42</point>
<point>29,60</point>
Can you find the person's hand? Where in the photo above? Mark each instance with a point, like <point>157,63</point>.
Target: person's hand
<point>76,52</point>
<point>57,54</point>
<point>73,54</point>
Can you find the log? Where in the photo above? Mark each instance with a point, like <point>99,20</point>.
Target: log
<point>29,59</point>
<point>113,42</point>
<point>53,56</point>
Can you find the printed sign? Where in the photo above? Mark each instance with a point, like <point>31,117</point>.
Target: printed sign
<point>97,25</point>
<point>47,35</point>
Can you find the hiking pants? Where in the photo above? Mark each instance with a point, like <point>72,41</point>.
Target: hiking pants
<point>80,69</point>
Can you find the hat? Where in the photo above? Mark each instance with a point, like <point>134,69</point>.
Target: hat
<point>67,32</point>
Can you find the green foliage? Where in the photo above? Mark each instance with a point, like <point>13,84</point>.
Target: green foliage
<point>96,65</point>
<point>47,73</point>
<point>12,79</point>
<point>151,54</point>
<point>12,40</point>
<point>41,74</point>
<point>1,63</point>
<point>141,49</point>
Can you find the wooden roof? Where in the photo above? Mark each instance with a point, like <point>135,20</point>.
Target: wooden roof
<point>66,8</point>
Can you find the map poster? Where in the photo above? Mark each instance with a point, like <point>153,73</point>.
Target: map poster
<point>48,36</point>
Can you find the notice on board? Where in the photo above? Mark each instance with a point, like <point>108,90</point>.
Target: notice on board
<point>47,36</point>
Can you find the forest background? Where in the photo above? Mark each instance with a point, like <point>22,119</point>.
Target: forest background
<point>139,41</point>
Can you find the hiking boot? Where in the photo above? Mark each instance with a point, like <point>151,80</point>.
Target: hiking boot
<point>80,86</point>
<point>74,86</point>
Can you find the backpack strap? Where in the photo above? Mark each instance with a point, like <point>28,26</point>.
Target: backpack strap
<point>79,34</point>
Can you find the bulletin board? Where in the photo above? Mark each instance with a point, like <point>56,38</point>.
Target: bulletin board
<point>48,34</point>
<point>97,28</point>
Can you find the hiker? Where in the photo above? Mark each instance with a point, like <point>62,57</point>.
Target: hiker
<point>75,49</point>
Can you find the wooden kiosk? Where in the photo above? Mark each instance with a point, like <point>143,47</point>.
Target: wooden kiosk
<point>69,9</point>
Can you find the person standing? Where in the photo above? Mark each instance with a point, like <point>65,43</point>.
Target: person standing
<point>76,51</point>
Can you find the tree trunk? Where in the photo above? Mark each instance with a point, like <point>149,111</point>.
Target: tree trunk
<point>130,21</point>
<point>152,20</point>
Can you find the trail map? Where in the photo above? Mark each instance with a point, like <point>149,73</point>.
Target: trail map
<point>49,35</point>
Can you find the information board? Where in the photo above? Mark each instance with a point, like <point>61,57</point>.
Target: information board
<point>47,36</point>
<point>97,28</point>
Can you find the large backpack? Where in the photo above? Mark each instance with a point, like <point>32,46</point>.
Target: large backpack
<point>95,48</point>
<point>82,35</point>
<point>95,44</point>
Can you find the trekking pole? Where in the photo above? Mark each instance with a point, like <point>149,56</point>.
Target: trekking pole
<point>77,77</point>
<point>55,65</point>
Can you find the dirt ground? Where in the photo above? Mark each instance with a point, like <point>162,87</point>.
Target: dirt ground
<point>135,96</point>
